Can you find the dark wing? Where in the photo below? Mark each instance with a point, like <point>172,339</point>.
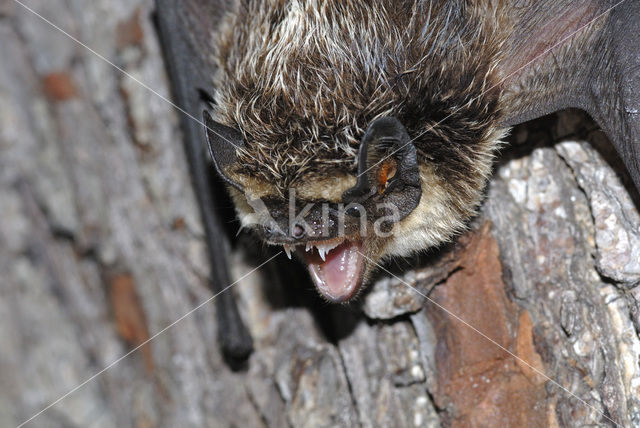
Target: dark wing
<point>186,31</point>
<point>577,53</point>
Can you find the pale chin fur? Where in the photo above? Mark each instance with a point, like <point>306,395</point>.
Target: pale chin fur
<point>436,220</point>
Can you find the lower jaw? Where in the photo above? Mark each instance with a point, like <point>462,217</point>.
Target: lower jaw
<point>338,278</point>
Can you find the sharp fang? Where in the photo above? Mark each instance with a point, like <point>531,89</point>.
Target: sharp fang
<point>287,249</point>
<point>309,247</point>
<point>329,247</point>
<point>321,252</point>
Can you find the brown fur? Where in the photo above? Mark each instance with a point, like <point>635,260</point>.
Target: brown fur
<point>302,80</point>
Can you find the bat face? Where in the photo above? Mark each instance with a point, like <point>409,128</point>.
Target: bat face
<point>298,83</point>
<point>350,150</point>
<point>341,226</point>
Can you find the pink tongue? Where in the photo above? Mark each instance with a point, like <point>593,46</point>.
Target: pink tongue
<point>337,278</point>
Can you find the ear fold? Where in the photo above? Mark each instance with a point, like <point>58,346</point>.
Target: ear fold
<point>387,167</point>
<point>223,142</point>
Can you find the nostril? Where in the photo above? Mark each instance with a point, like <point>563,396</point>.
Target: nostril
<point>298,231</point>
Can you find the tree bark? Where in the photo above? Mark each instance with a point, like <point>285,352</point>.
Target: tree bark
<point>529,319</point>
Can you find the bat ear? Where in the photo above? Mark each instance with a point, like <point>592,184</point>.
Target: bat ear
<point>223,142</point>
<point>387,167</point>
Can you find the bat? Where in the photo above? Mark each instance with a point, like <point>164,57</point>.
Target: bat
<point>353,132</point>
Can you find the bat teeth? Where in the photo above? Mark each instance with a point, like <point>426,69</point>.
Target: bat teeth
<point>287,249</point>
<point>328,247</point>
<point>323,249</point>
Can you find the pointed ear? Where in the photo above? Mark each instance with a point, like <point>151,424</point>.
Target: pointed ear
<point>387,167</point>
<point>223,142</point>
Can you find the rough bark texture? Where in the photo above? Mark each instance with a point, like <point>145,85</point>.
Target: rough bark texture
<point>101,248</point>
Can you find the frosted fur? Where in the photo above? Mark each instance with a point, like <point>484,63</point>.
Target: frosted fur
<point>302,80</point>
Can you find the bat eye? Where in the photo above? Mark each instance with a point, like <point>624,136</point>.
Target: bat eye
<point>268,229</point>
<point>272,229</point>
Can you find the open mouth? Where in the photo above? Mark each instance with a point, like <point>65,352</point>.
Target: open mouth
<point>335,267</point>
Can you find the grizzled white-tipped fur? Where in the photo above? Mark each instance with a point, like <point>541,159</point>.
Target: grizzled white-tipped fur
<point>303,79</point>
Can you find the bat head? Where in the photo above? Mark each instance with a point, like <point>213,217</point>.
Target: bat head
<point>348,149</point>
<point>337,235</point>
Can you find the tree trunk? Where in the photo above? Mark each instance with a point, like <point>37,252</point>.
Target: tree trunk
<point>529,319</point>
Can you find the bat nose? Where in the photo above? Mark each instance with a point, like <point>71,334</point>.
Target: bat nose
<point>298,232</point>
<point>278,233</point>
